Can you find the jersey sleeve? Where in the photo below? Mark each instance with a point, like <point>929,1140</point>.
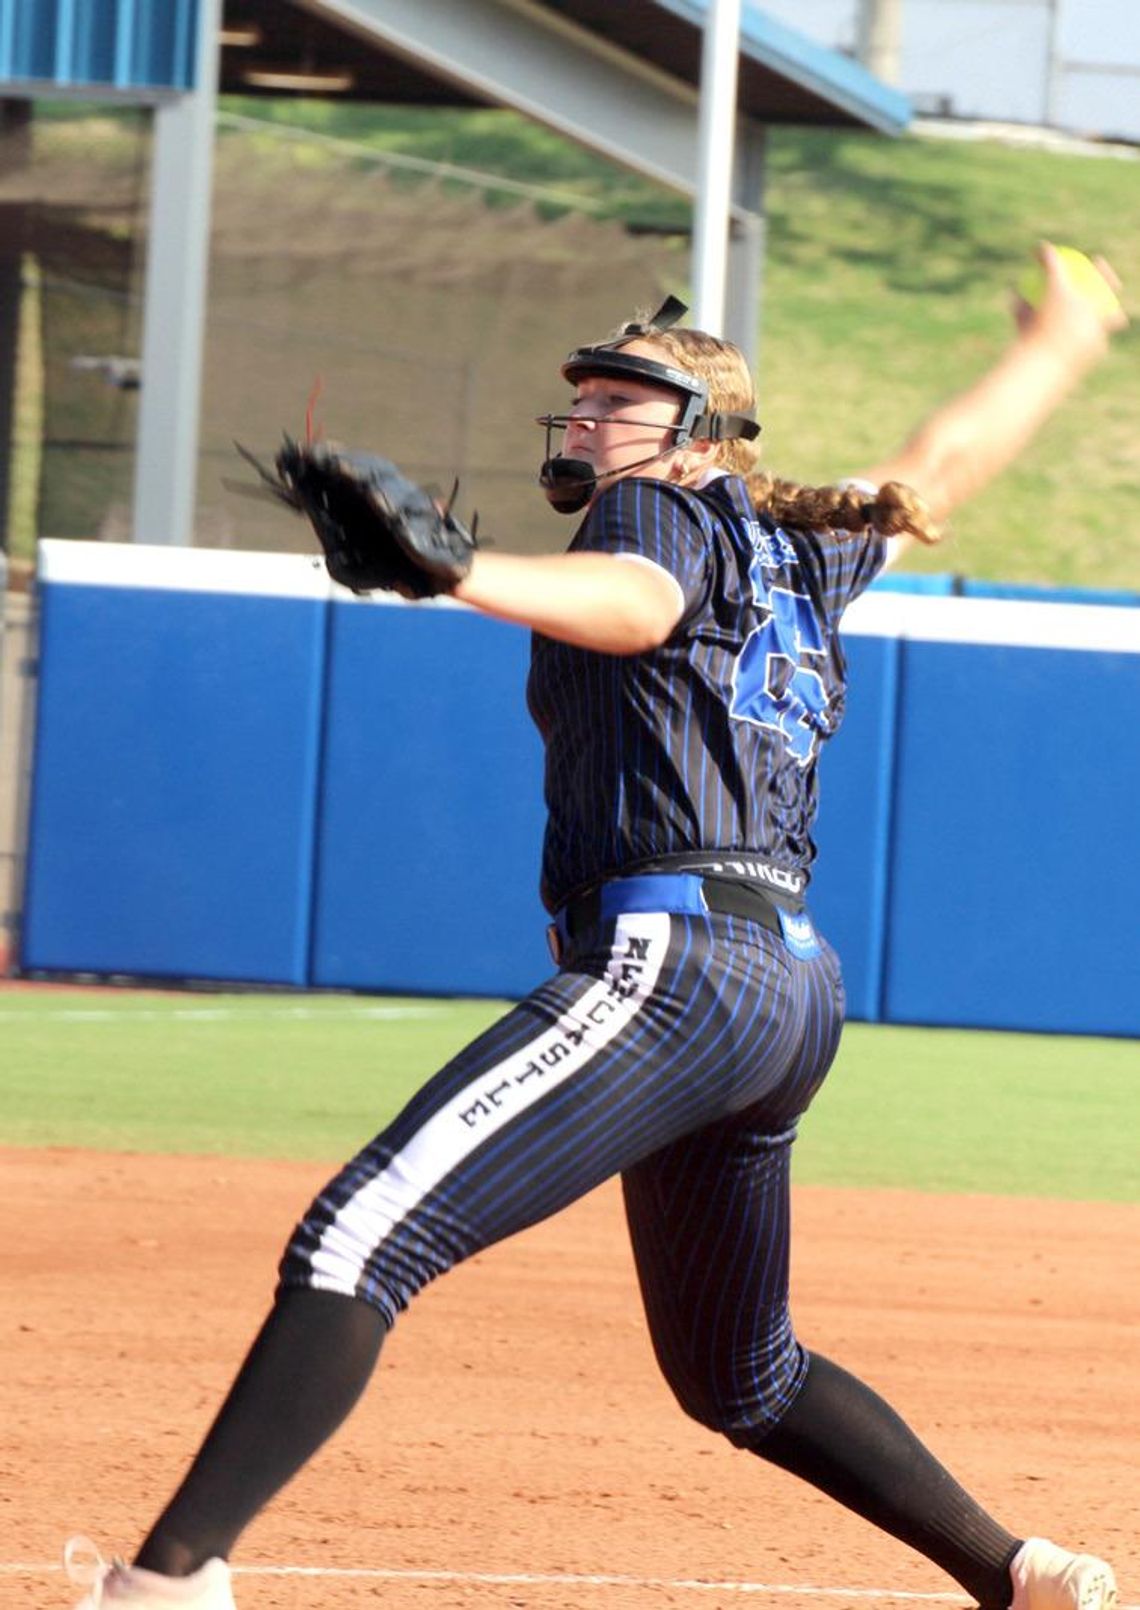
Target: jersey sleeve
<point>841,566</point>
<point>656,521</point>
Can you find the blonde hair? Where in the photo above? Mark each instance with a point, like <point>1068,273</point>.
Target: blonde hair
<point>891,510</point>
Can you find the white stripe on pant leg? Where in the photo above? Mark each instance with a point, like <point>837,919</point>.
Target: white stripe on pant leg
<point>491,1101</point>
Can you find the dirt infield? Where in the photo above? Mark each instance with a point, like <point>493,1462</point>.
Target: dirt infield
<point>518,1447</point>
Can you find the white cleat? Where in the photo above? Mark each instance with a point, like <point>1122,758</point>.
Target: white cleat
<point>127,1585</point>
<point>1046,1577</point>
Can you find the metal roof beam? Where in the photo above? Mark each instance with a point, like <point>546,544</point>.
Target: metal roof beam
<point>47,89</point>
<point>558,74</point>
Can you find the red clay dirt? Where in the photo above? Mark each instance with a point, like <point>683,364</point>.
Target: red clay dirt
<point>517,1428</point>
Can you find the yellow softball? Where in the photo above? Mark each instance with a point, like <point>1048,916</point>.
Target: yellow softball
<point>1082,274</point>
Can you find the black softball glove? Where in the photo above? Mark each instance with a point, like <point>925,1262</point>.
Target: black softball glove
<point>379,530</point>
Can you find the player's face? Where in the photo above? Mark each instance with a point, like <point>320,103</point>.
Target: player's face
<point>616,423</point>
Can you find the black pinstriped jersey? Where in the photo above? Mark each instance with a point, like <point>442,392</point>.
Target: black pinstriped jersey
<point>709,742</point>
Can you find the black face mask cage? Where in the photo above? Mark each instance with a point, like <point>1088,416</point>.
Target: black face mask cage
<point>682,430</point>
<point>570,483</point>
<point>604,361</point>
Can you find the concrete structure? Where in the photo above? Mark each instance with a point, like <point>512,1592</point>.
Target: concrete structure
<point>1072,65</point>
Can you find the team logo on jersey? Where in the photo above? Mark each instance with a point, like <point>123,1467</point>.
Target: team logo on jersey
<point>778,681</point>
<point>772,548</point>
<point>799,935</point>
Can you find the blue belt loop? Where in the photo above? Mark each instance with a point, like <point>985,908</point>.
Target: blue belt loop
<point>679,892</point>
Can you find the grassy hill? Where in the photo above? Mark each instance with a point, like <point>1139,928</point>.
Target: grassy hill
<point>890,268</point>
<point>887,283</point>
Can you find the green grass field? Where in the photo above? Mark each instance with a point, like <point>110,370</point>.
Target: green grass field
<point>313,1076</point>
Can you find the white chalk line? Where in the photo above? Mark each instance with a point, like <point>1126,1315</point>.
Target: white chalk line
<point>523,1579</point>
<point>213,1014</point>
<point>562,1579</point>
<point>515,1579</point>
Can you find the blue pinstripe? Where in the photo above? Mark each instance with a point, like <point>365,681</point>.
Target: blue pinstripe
<point>694,1103</point>
<point>643,756</point>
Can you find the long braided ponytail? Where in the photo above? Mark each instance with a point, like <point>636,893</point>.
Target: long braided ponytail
<point>892,510</point>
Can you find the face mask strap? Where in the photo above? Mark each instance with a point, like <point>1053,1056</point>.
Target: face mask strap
<point>671,312</point>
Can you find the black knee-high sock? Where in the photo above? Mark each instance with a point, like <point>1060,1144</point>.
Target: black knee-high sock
<point>842,1438</point>
<point>302,1376</point>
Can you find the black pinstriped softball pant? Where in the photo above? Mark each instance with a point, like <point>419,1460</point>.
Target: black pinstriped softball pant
<point>678,1051</point>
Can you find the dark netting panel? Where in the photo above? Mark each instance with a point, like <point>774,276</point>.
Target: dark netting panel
<point>73,196</point>
<point>434,317</point>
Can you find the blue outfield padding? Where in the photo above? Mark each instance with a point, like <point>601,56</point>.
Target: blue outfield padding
<point>1015,590</point>
<point>943,584</point>
<point>242,774</point>
<point>175,779</point>
<point>848,892</point>
<point>430,833</point>
<point>1015,893</point>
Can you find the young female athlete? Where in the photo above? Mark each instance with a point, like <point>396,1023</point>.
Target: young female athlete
<point>686,672</point>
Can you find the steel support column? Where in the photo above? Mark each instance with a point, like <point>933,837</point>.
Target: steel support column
<point>716,142</point>
<point>178,248</point>
<point>744,291</point>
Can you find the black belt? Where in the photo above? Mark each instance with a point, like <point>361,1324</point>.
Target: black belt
<point>681,892</point>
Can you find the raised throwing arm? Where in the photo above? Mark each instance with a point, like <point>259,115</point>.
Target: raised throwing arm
<point>970,439</point>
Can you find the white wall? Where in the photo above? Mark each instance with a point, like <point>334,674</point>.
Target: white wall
<point>1071,63</point>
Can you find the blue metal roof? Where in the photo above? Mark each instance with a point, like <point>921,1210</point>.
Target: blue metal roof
<point>826,73</point>
<point>119,44</point>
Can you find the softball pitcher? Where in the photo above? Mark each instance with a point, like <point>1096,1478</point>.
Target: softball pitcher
<point>687,671</point>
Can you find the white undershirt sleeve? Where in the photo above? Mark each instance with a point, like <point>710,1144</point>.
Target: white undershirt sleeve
<point>895,546</point>
<point>640,559</point>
